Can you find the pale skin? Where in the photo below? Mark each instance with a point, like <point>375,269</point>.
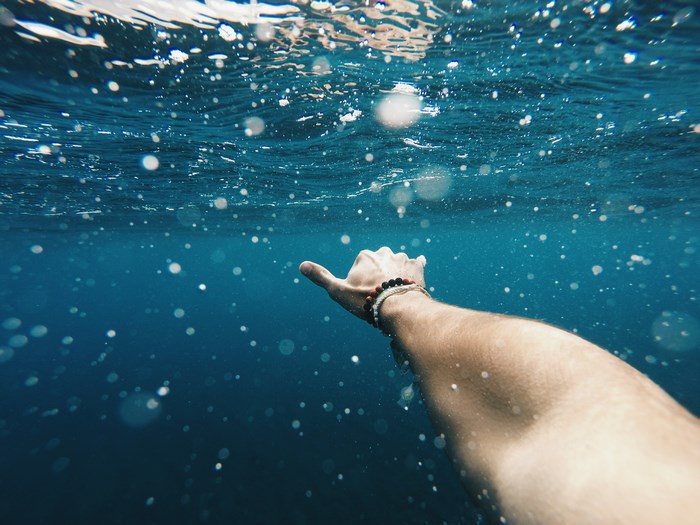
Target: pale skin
<point>542,426</point>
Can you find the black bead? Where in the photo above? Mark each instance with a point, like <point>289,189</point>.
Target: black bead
<point>368,307</point>
<point>399,281</point>
<point>385,285</point>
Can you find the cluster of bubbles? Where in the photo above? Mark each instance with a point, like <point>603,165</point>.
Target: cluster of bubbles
<point>676,331</point>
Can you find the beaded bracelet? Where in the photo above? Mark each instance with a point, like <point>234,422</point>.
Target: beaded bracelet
<point>388,288</point>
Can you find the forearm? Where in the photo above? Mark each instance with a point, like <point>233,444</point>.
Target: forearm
<point>510,360</point>
<point>538,421</point>
<point>520,404</point>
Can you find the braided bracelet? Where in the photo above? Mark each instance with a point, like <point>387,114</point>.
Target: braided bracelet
<point>388,288</point>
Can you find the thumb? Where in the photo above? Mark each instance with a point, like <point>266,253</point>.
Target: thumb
<point>317,274</point>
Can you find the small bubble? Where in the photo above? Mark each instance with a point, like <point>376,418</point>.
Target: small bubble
<point>111,333</point>
<point>433,184</point>
<point>174,268</point>
<point>31,381</point>
<point>254,126</point>
<point>676,331</point>
<point>38,331</point>
<point>406,396</point>
<point>150,162</point>
<point>60,465</point>
<point>286,346</point>
<point>399,110</point>
<point>36,249</point>
<point>113,86</point>
<point>139,410</point>
<point>11,323</point>
<point>18,341</point>
<point>264,32</point>
<point>321,65</point>
<point>6,353</point>
<point>345,239</point>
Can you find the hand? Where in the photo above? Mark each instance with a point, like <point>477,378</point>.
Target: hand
<point>369,270</point>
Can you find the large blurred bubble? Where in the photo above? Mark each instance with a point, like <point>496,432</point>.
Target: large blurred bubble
<point>140,410</point>
<point>677,331</point>
<point>286,346</point>
<point>433,184</point>
<point>188,215</point>
<point>399,110</point>
<point>254,126</point>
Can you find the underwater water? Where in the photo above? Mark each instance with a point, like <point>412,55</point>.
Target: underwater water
<point>165,167</point>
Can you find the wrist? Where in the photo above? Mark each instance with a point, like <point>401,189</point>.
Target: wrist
<point>400,307</point>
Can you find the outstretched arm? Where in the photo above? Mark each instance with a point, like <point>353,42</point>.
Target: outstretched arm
<point>543,426</point>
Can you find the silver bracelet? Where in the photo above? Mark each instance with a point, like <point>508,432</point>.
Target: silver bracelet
<point>388,293</point>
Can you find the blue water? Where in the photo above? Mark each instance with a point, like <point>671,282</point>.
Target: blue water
<point>161,359</point>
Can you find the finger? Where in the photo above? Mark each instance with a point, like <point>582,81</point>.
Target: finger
<point>421,259</point>
<point>317,274</point>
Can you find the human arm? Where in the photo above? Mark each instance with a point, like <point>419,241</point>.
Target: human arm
<point>543,426</point>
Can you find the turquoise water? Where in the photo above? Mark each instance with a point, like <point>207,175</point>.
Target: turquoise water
<point>164,172</point>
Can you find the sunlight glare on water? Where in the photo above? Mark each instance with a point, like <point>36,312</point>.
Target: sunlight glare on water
<point>208,84</point>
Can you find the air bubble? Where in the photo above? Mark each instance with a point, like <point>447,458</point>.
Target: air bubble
<point>38,331</point>
<point>399,110</point>
<point>286,346</point>
<point>150,162</point>
<point>676,331</point>
<point>11,323</point>
<point>6,353</point>
<point>139,410</point>
<point>254,126</point>
<point>433,184</point>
